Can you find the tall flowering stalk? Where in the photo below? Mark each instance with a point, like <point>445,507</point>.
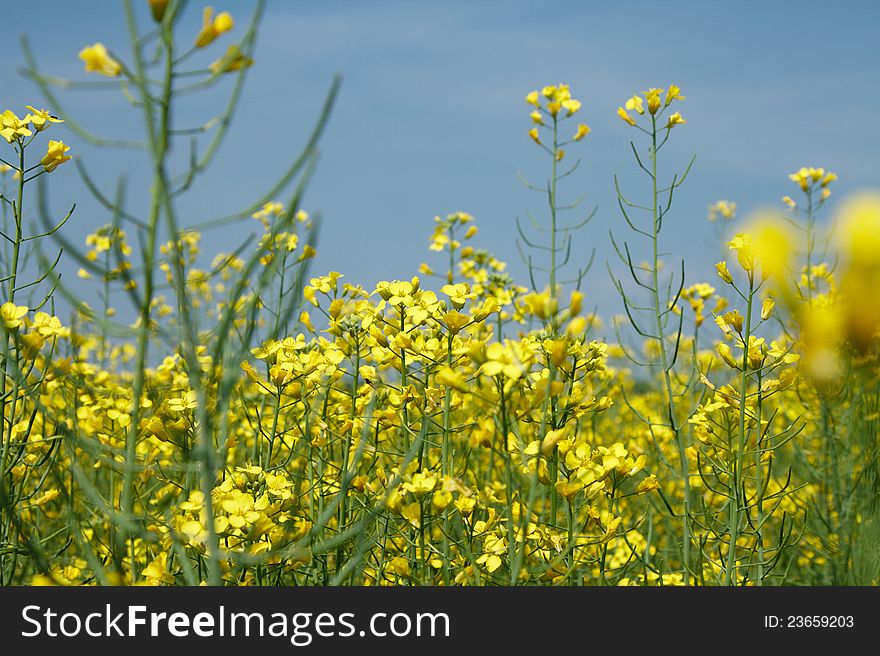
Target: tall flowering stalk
<point>651,115</point>
<point>26,330</point>
<point>208,353</point>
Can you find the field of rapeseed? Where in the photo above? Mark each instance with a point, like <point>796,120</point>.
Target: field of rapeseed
<point>259,423</point>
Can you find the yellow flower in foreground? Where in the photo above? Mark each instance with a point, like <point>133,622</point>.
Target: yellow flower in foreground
<point>859,234</point>
<point>532,98</point>
<point>768,243</point>
<point>55,155</point>
<point>98,60</point>
<point>41,119</point>
<point>12,314</point>
<point>12,127</point>
<point>212,26</point>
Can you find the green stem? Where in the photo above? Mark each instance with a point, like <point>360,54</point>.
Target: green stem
<point>664,359</point>
<point>734,508</point>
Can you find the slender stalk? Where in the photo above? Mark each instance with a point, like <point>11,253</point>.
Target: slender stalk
<point>733,520</point>
<point>664,357</point>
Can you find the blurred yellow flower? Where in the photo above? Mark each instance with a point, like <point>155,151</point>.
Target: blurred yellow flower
<point>723,208</point>
<point>213,26</point>
<point>98,60</point>
<point>233,60</point>
<point>581,132</point>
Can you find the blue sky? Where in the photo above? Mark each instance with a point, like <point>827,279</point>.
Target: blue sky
<point>431,117</point>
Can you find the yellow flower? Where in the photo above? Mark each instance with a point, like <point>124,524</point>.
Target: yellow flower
<point>421,483</point>
<point>502,360</point>
<point>648,484</point>
<point>767,308</point>
<point>98,60</point>
<point>727,356</point>
<point>11,315</point>
<point>675,119</point>
<point>723,272</point>
<point>189,401</point>
<point>41,119</point>
<point>55,155</point>
<point>768,243</point>
<point>652,95</point>
<point>859,220</point>
<point>536,117</point>
<point>623,114</point>
<point>212,26</point>
<point>673,93</point>
<point>458,294</point>
<point>582,131</point>
<point>806,177</point>
<point>156,573</point>
<point>12,127</point>
<point>451,378</point>
<point>635,104</point>
<point>742,244</point>
<point>723,208</point>
<point>533,133</point>
<point>532,98</point>
<point>571,105</point>
<point>233,60</point>
<point>756,352</point>
<point>47,325</point>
